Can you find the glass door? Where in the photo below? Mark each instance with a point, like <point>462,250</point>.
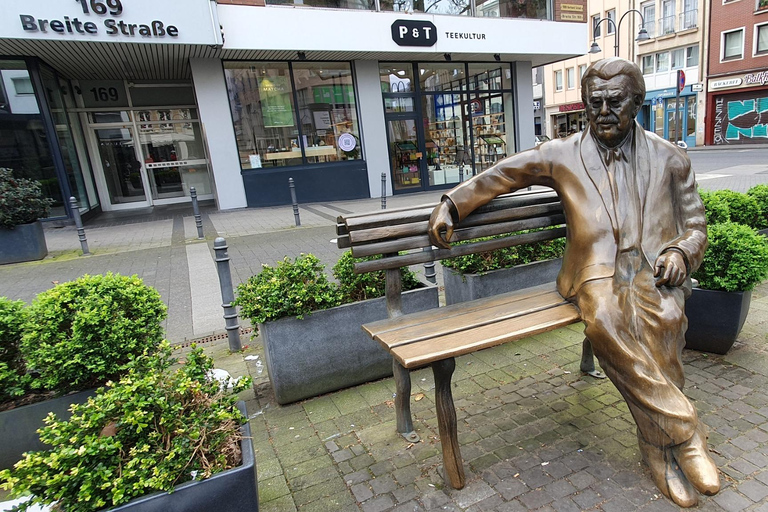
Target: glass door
<point>404,154</point>
<point>123,172</point>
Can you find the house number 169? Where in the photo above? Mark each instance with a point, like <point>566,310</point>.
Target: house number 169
<point>114,7</point>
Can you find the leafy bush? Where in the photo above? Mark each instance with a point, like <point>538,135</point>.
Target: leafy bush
<point>743,208</point>
<point>13,381</point>
<point>760,194</point>
<point>82,333</point>
<point>370,285</point>
<point>21,200</point>
<point>506,257</point>
<point>154,429</point>
<point>716,207</point>
<point>292,288</point>
<point>736,259</point>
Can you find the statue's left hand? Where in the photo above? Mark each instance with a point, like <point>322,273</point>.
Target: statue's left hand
<point>670,269</point>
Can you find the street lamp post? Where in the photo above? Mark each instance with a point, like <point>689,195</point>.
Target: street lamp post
<point>642,34</point>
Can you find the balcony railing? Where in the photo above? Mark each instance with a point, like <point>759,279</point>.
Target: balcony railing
<point>667,25</point>
<point>650,27</point>
<point>689,19</point>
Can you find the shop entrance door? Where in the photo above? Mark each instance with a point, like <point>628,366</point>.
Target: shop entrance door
<point>124,175</point>
<point>405,155</point>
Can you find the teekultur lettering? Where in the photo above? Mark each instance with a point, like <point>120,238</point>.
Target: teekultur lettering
<point>464,35</point>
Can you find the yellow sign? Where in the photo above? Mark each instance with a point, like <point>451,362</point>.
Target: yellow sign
<point>572,7</point>
<point>565,16</point>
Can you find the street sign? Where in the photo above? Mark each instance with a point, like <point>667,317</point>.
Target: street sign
<point>680,80</point>
<point>697,87</point>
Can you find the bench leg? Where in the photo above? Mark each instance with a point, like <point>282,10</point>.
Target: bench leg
<point>588,360</point>
<point>446,421</point>
<point>403,402</point>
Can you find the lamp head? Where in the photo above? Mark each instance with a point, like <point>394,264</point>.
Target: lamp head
<point>595,48</point>
<point>642,35</point>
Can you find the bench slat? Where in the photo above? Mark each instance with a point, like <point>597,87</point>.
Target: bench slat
<point>465,342</point>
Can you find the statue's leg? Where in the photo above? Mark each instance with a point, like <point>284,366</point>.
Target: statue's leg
<point>403,402</point>
<point>588,360</point>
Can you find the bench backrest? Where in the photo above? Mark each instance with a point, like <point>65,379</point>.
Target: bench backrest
<point>401,235</point>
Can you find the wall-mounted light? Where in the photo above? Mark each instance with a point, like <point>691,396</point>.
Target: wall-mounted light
<point>497,57</point>
<point>301,55</point>
<point>447,57</point>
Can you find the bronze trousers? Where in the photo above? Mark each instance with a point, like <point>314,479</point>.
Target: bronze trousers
<point>637,332</point>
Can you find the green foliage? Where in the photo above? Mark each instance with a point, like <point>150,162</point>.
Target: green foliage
<point>154,429</point>
<point>736,259</point>
<point>760,194</point>
<point>21,200</point>
<point>292,288</point>
<point>716,208</point>
<point>506,257</point>
<point>743,208</point>
<point>13,379</point>
<point>369,285</point>
<point>82,333</point>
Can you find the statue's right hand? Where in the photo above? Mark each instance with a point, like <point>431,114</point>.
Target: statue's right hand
<point>439,221</point>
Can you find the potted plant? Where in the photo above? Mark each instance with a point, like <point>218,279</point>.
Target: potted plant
<point>502,270</point>
<point>21,206</point>
<point>734,262</point>
<point>72,338</point>
<point>156,431</point>
<point>310,327</point>
<point>760,194</point>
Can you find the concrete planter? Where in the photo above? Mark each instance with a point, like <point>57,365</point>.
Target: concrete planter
<point>18,427</point>
<point>465,287</point>
<point>22,243</point>
<point>234,490</point>
<point>715,319</point>
<point>328,350</point>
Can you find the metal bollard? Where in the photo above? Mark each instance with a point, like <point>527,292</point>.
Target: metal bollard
<point>295,203</point>
<point>383,191</point>
<point>196,211</point>
<point>227,294</point>
<point>429,269</point>
<point>79,226</point>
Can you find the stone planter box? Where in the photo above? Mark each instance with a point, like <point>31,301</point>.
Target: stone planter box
<point>715,319</point>
<point>234,490</point>
<point>328,349</point>
<point>466,287</point>
<point>22,243</point>
<point>18,427</point>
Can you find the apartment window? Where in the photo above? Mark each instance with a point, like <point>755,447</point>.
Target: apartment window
<point>761,39</point>
<point>733,44</point>
<point>611,15</point>
<point>761,4</point>
<point>582,70</point>
<point>667,17</point>
<point>559,80</point>
<point>678,58</point>
<point>649,16</point>
<point>689,16</point>
<point>692,56</point>
<point>596,26</point>
<point>647,64</point>
<point>571,77</point>
<point>662,62</point>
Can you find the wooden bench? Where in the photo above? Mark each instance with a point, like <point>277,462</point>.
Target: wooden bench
<point>437,336</point>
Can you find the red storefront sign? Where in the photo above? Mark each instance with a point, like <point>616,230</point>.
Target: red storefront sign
<point>571,107</point>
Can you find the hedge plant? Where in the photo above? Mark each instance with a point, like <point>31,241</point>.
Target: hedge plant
<point>506,257</point>
<point>742,208</point>
<point>716,207</point>
<point>736,259</point>
<point>152,430</point>
<point>81,333</point>
<point>21,200</point>
<point>760,194</point>
<point>370,285</point>
<point>13,378</point>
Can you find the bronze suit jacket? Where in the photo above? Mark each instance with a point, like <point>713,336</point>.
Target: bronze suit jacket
<point>671,210</point>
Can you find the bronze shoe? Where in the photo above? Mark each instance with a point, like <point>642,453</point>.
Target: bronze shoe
<point>693,458</point>
<point>667,475</point>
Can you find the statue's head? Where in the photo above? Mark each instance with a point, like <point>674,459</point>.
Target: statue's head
<point>613,90</point>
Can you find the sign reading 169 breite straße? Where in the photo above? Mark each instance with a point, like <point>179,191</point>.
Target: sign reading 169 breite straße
<point>123,21</point>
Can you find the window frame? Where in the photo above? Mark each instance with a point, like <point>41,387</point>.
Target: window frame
<point>658,60</point>
<point>570,78</point>
<point>652,56</point>
<point>597,29</point>
<point>649,20</point>
<point>756,40</point>
<point>680,53</point>
<point>687,58</point>
<point>611,15</point>
<point>759,9</point>
<point>723,35</point>
<point>582,70</point>
<point>559,86</point>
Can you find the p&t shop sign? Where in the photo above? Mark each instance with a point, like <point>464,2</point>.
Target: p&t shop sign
<point>121,21</point>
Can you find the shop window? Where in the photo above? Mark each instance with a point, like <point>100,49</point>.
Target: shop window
<point>489,77</point>
<point>571,77</point>
<point>647,64</point>
<point>442,77</point>
<point>691,125</point>
<point>334,4</point>
<point>611,27</point>
<point>678,58</point>
<point>596,26</point>
<point>277,124</point>
<point>396,77</point>
<point>532,9</point>
<point>559,80</point>
<point>761,39</point>
<point>733,44</point>
<point>662,62</point>
<point>692,56</point>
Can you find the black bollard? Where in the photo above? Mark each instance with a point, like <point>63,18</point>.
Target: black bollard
<point>383,191</point>
<point>227,294</point>
<point>79,226</point>
<point>196,211</point>
<point>295,203</point>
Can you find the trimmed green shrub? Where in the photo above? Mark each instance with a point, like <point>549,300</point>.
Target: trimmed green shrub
<point>84,332</point>
<point>743,208</point>
<point>21,200</point>
<point>760,193</point>
<point>736,259</point>
<point>370,285</point>
<point>506,257</point>
<point>292,288</point>
<point>154,429</point>
<point>716,208</point>
<point>13,381</point>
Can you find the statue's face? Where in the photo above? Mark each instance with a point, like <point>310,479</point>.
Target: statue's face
<point>611,108</point>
